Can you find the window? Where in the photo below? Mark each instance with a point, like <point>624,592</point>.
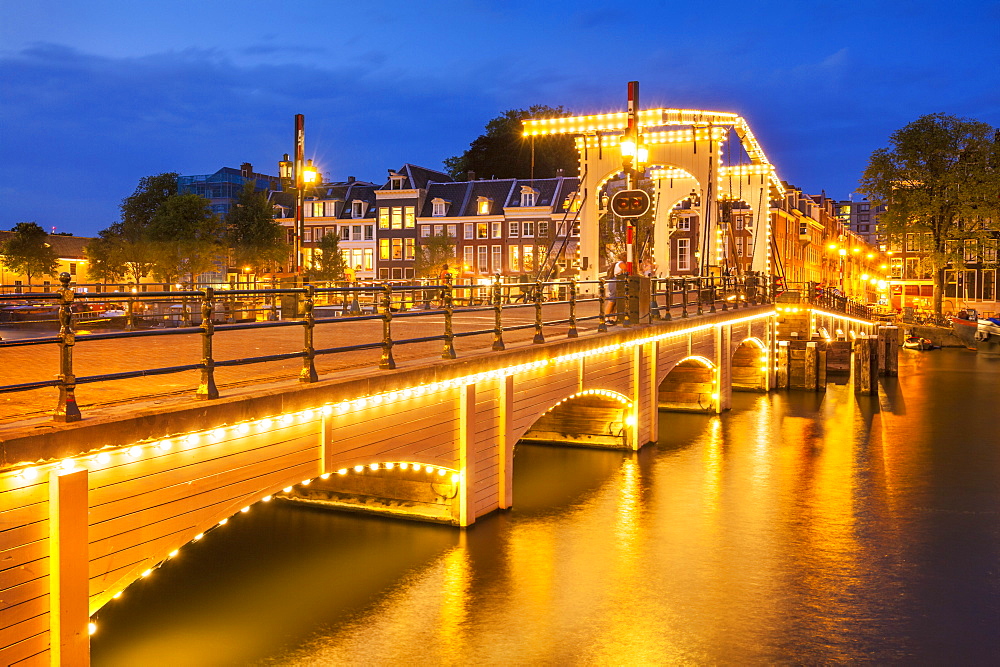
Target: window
<point>383,249</point>
<point>72,268</point>
<point>396,181</point>
<point>684,223</point>
<point>468,257</point>
<point>438,207</point>
<point>911,269</point>
<point>330,209</point>
<point>369,232</point>
<point>575,231</point>
<point>397,273</point>
<point>383,217</point>
<point>396,217</point>
<point>357,209</point>
<point>528,195</point>
<point>513,229</point>
<point>989,251</point>
<point>369,259</point>
<point>528,257</point>
<point>738,223</point>
<point>425,231</point>
<point>862,207</point>
<point>496,230</point>
<point>514,263</point>
<point>543,229</point>
<point>397,248</point>
<point>483,255</point>
<point>912,242</point>
<point>345,233</point>
<point>383,274</point>
<point>356,233</point>
<point>739,247</point>
<point>482,230</point>
<point>470,230</point>
<point>438,230</point>
<point>409,216</point>
<point>357,257</point>
<point>683,254</point>
<point>497,252</point>
<point>410,247</point>
<point>561,228</point>
<point>971,250</point>
<point>307,235</point>
<point>453,231</point>
<point>896,267</point>
<point>483,205</point>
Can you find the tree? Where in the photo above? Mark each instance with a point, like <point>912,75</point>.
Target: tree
<point>105,258</point>
<point>256,239</point>
<point>939,180</point>
<point>27,251</point>
<point>503,152</point>
<point>329,262</point>
<point>433,253</point>
<point>185,238</point>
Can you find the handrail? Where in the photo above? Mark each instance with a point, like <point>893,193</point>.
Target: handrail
<point>301,307</point>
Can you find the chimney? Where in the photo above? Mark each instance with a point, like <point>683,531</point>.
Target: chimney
<point>472,175</point>
<point>246,170</point>
<point>559,173</point>
<point>351,179</point>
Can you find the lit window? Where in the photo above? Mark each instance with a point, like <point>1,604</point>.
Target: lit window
<point>396,217</point>
<point>438,230</point>
<point>683,254</point>
<point>482,230</point>
<point>397,248</point>
<point>468,256</point>
<point>369,259</point>
<point>483,205</point>
<point>497,252</point>
<point>515,262</point>
<point>528,195</point>
<point>528,257</point>
<point>409,216</point>
<point>383,218</point>
<point>383,248</point>
<point>513,229</point>
<point>438,207</point>
<point>357,209</point>
<point>396,181</point>
<point>410,248</point>
<point>483,260</point>
<point>425,231</point>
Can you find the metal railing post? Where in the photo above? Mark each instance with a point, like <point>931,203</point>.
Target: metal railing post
<point>66,409</point>
<point>539,337</point>
<point>654,308</point>
<point>130,318</point>
<point>627,315</point>
<point>185,311</point>
<point>729,284</point>
<point>701,299</point>
<point>572,333</point>
<point>387,363</point>
<point>308,373</point>
<point>668,297</point>
<point>684,297</point>
<point>207,388</point>
<point>497,315</point>
<point>449,334</point>
<point>601,299</point>
<point>712,293</point>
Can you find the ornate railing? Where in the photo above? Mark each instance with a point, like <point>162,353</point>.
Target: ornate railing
<point>206,312</point>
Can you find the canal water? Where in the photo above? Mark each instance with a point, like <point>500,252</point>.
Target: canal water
<point>797,528</point>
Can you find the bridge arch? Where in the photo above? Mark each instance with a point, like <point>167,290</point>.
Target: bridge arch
<point>692,385</point>
<point>586,418</point>
<point>749,365</point>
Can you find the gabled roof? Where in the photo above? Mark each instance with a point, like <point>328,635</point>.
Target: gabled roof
<point>419,177</point>
<point>454,193</point>
<point>551,191</point>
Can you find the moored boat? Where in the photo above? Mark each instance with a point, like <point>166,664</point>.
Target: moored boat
<point>977,333</point>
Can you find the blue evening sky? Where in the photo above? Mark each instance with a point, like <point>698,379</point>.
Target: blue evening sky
<point>96,94</point>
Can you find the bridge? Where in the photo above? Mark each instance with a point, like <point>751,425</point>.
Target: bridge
<point>91,502</point>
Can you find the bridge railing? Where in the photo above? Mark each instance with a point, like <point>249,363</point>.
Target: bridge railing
<point>515,306</point>
<point>829,298</point>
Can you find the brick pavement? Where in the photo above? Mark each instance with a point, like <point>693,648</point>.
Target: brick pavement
<point>39,362</point>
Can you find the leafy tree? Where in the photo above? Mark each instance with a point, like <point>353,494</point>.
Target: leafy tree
<point>433,253</point>
<point>106,258</point>
<point>185,237</point>
<point>255,238</point>
<point>939,180</point>
<point>329,262</point>
<point>27,251</point>
<point>503,152</point>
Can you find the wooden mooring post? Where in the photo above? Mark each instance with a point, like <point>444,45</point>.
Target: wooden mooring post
<point>781,365</point>
<point>864,365</point>
<point>888,350</point>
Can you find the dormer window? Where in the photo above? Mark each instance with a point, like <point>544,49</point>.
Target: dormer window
<point>439,207</point>
<point>483,205</point>
<point>528,195</point>
<point>396,181</point>
<point>357,209</point>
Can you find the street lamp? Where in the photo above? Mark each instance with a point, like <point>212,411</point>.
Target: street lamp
<point>298,175</point>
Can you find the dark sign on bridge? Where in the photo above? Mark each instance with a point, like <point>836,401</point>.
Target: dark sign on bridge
<point>630,203</point>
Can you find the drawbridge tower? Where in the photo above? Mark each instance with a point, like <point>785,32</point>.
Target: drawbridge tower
<point>683,154</point>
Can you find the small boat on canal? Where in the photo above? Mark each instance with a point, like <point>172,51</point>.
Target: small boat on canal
<point>977,333</point>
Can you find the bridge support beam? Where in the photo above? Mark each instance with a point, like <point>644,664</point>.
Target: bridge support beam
<point>505,443</point>
<point>724,368</point>
<point>467,455</point>
<point>69,576</point>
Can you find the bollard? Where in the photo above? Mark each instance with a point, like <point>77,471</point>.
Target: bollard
<point>539,337</point>
<point>308,373</point>
<point>66,408</point>
<point>864,365</point>
<point>891,347</point>
<point>449,334</point>
<point>601,298</point>
<point>572,333</point>
<point>206,388</point>
<point>387,363</point>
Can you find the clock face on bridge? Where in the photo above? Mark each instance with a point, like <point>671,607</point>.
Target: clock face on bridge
<point>630,203</point>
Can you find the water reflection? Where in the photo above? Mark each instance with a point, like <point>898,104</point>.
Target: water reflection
<point>807,528</point>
